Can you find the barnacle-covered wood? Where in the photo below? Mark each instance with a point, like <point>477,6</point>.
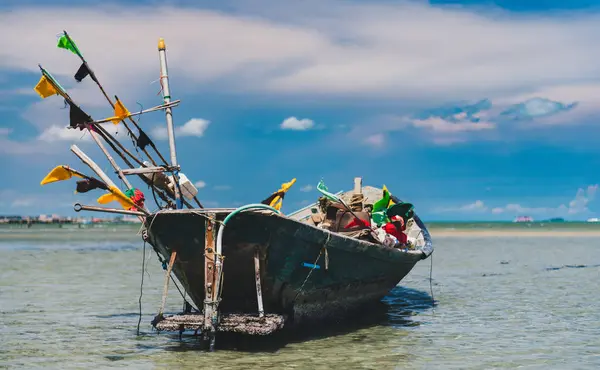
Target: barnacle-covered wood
<point>235,323</point>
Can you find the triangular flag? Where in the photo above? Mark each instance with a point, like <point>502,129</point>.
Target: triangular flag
<point>383,203</point>
<point>116,195</point>
<point>78,117</point>
<point>275,200</point>
<point>143,140</point>
<point>120,112</point>
<point>67,43</point>
<point>323,189</point>
<point>92,183</point>
<point>59,173</point>
<point>82,72</point>
<point>45,88</point>
<point>391,203</point>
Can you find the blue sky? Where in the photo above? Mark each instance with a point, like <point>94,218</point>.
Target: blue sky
<point>472,110</point>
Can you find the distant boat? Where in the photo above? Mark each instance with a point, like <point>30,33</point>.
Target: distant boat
<point>593,219</point>
<point>523,219</point>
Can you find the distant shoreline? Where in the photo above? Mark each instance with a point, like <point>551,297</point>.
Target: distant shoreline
<point>448,233</point>
<point>115,231</point>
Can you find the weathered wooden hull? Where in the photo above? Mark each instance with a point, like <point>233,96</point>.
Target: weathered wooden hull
<point>307,273</point>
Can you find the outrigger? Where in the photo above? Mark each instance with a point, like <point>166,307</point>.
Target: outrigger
<point>249,270</point>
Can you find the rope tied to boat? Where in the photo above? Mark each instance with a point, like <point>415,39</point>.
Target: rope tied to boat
<point>314,265</point>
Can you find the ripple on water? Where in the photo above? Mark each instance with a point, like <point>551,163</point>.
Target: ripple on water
<point>74,304</point>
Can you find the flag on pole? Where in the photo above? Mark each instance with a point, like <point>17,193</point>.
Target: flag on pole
<point>59,173</point>
<point>45,88</point>
<point>65,42</point>
<point>120,112</point>
<point>321,187</point>
<point>83,186</point>
<point>48,86</point>
<point>143,140</point>
<point>82,72</point>
<point>116,195</point>
<point>77,117</point>
<point>275,200</point>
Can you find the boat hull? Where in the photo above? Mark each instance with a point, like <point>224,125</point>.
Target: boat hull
<point>307,273</point>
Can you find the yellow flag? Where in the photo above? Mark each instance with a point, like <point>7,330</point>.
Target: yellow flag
<point>116,195</point>
<point>391,202</point>
<point>59,173</point>
<point>285,187</point>
<point>277,201</point>
<point>120,112</point>
<point>45,88</point>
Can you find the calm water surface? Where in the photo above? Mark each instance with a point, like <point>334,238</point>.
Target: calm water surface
<point>69,299</point>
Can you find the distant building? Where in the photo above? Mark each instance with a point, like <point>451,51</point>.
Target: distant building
<point>523,219</point>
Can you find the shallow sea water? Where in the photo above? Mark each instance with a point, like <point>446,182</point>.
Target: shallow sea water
<point>70,300</point>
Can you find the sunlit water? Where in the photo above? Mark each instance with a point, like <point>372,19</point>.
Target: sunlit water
<point>69,299</point>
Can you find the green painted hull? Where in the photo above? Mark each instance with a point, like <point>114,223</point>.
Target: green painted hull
<point>307,273</point>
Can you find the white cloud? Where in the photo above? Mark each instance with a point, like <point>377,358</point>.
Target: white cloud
<point>376,140</point>
<point>200,184</point>
<point>306,188</point>
<point>338,47</point>
<point>194,127</point>
<point>440,125</point>
<point>478,205</point>
<point>56,133</point>
<point>579,205</point>
<point>293,123</point>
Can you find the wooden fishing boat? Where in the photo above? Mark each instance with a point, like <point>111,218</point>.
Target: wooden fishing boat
<point>252,269</point>
<point>278,268</point>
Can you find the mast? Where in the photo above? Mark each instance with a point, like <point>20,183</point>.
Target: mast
<point>164,82</point>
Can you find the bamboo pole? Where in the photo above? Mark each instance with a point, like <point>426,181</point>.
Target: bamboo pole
<point>88,161</point>
<point>164,82</point>
<point>109,157</point>
<point>149,110</point>
<point>166,284</point>
<point>109,136</point>
<point>261,311</point>
<point>95,78</point>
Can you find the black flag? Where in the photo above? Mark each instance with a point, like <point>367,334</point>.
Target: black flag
<point>82,72</point>
<point>272,196</point>
<point>83,186</point>
<point>77,117</point>
<point>143,140</point>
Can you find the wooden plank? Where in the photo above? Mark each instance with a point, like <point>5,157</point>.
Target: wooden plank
<point>209,271</point>
<point>261,311</point>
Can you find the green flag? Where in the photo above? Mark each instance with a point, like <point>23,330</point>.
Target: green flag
<point>323,189</point>
<point>67,43</point>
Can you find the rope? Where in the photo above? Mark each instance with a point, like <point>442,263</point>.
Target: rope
<point>324,248</point>
<point>430,281</point>
<point>161,261</point>
<point>141,287</point>
<point>154,194</point>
